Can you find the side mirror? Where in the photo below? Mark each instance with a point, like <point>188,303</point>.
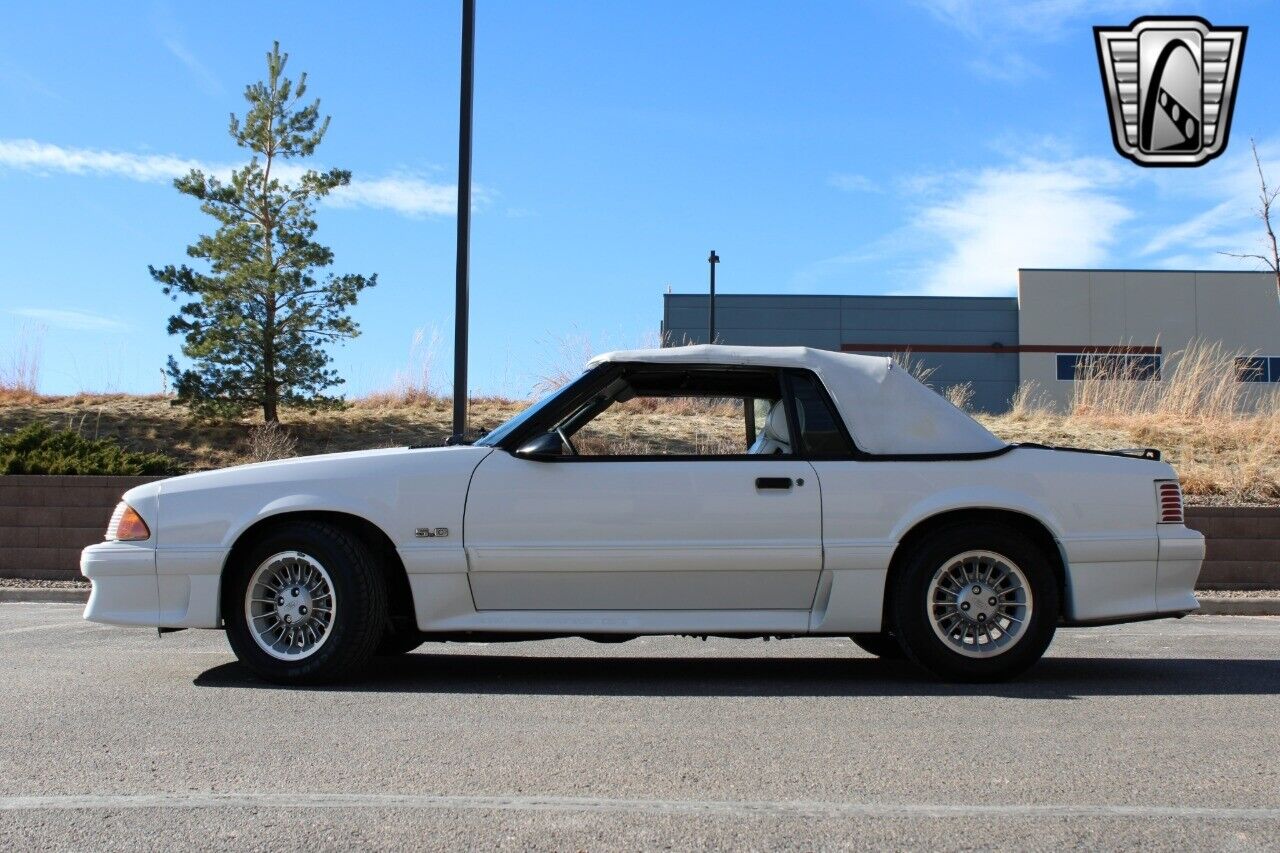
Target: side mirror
<point>542,447</point>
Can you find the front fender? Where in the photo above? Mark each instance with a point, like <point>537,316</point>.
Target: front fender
<point>398,491</point>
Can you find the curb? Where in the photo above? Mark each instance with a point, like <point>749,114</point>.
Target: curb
<point>43,594</point>
<point>1210,606</point>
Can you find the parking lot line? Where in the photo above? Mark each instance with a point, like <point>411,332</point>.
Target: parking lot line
<point>719,808</point>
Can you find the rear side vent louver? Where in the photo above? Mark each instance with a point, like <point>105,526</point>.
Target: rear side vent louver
<point>1169,501</point>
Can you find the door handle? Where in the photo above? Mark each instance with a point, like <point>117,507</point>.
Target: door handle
<point>773,482</point>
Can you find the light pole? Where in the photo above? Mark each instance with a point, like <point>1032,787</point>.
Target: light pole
<point>463,262</point>
<point>711,313</point>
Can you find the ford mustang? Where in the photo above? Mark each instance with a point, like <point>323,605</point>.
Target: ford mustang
<point>701,490</point>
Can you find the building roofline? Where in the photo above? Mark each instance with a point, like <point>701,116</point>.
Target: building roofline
<point>1138,269</point>
<point>720,294</point>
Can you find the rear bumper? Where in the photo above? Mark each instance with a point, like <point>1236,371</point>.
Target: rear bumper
<point>1181,555</point>
<point>1133,578</point>
<point>125,591</point>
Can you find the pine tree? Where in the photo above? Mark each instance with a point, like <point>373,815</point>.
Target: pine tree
<point>259,318</point>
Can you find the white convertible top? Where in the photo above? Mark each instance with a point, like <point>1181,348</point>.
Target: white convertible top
<point>886,409</point>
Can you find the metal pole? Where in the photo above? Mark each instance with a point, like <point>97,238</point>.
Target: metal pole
<point>463,282</point>
<point>711,314</point>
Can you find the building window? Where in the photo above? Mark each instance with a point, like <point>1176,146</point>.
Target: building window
<point>1258,368</point>
<point>1098,365</point>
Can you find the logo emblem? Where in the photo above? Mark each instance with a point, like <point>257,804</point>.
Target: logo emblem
<point>431,532</point>
<point>1171,86</point>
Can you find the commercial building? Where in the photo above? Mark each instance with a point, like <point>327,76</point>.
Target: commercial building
<point>1124,323</point>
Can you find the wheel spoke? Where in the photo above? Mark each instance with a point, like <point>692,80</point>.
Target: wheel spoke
<point>275,580</point>
<point>982,623</point>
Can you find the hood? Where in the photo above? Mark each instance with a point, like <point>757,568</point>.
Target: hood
<point>324,466</point>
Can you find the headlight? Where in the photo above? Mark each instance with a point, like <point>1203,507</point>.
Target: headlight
<point>126,525</point>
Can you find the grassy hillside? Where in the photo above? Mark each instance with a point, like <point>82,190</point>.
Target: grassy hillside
<point>1221,458</point>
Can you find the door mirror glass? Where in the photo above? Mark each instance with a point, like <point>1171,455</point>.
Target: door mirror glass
<point>545,446</point>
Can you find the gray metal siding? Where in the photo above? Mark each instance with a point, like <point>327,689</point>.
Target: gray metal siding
<point>830,322</point>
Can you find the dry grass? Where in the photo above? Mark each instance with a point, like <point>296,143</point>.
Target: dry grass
<point>1223,443</point>
<point>960,396</point>
<point>20,366</point>
<point>416,384</point>
<point>666,426</point>
<point>1223,450</point>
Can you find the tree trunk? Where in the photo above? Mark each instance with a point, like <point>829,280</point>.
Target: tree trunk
<point>270,388</point>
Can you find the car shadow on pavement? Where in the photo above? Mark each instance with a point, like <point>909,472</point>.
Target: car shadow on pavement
<point>1052,678</point>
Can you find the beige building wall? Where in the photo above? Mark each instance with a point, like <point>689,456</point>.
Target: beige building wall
<point>1062,309</point>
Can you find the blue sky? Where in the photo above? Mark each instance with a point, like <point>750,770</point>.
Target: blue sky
<point>834,147</point>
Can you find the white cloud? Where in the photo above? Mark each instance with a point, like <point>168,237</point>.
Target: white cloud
<point>207,79</point>
<point>850,182</point>
<point>1228,220</point>
<point>27,155</point>
<point>25,83</point>
<point>79,321</point>
<point>1029,214</point>
<point>1007,68</point>
<point>1195,231</point>
<point>1000,29</point>
<point>968,233</point>
<point>404,194</point>
<point>1036,19</point>
<point>408,195</point>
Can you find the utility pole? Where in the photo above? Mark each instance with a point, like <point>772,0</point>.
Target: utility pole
<point>711,313</point>
<point>463,262</point>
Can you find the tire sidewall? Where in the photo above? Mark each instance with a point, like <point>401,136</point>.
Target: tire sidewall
<point>356,593</point>
<point>910,596</point>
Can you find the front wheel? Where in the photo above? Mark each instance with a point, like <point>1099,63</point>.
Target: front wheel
<point>975,603</point>
<point>305,604</point>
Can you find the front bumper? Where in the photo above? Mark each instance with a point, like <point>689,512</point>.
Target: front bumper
<point>125,591</point>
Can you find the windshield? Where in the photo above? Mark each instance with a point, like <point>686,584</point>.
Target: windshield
<point>498,433</point>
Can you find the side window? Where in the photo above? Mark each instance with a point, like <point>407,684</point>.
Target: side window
<point>820,425</point>
<point>685,413</point>
<point>665,426</point>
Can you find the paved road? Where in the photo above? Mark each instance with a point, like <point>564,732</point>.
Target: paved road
<point>1165,734</point>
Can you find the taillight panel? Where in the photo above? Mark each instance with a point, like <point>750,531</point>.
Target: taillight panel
<point>1169,502</point>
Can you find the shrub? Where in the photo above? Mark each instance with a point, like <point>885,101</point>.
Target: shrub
<point>270,441</point>
<point>37,449</point>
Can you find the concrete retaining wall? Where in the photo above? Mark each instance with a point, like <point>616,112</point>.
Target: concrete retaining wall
<point>45,521</point>
<point>1242,548</point>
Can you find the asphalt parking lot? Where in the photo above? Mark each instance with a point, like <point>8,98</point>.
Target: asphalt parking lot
<point>1161,733</point>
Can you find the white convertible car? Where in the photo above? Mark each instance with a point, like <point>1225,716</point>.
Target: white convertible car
<point>702,490</point>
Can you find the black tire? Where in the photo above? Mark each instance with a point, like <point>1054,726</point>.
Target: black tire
<point>910,609</point>
<point>359,617</point>
<point>883,645</point>
<point>399,642</point>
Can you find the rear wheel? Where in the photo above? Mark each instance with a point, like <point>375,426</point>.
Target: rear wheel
<point>882,645</point>
<point>975,603</point>
<point>305,604</point>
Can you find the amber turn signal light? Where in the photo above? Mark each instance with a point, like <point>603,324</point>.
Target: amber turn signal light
<point>127,526</point>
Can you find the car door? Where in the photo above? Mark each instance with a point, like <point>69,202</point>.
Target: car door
<point>706,526</point>
<point>653,534</point>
